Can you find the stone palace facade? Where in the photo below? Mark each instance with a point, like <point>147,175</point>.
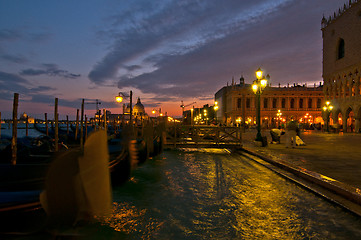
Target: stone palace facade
<point>341,35</point>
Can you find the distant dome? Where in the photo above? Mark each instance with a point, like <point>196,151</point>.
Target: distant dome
<point>138,108</point>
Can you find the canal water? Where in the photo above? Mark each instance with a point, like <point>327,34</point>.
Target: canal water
<point>213,194</point>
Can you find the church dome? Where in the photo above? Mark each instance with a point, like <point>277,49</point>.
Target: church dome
<point>138,108</point>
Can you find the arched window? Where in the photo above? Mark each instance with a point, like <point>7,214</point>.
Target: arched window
<point>341,49</point>
<point>292,103</point>
<point>265,103</point>
<point>274,103</point>
<point>301,103</point>
<point>239,102</point>
<point>283,102</point>
<point>310,103</point>
<point>248,103</point>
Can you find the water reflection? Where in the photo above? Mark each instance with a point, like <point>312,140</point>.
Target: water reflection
<point>129,219</point>
<point>217,195</point>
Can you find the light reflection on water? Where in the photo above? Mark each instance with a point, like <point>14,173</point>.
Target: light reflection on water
<point>216,195</point>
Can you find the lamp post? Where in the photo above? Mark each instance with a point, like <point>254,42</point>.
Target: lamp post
<point>159,111</point>
<point>327,109</point>
<point>258,86</point>
<point>215,108</point>
<point>120,98</point>
<point>279,115</point>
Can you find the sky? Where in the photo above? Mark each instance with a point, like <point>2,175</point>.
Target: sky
<point>165,51</point>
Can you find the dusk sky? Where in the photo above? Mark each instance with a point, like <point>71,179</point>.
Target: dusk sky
<point>164,50</point>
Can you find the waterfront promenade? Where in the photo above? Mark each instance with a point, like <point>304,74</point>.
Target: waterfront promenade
<point>334,155</point>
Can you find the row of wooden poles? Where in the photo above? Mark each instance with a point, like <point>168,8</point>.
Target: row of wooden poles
<point>56,127</point>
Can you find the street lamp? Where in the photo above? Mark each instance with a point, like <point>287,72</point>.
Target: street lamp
<point>192,109</point>
<point>258,86</point>
<point>119,98</point>
<point>215,108</point>
<point>279,115</point>
<point>160,114</point>
<point>327,109</point>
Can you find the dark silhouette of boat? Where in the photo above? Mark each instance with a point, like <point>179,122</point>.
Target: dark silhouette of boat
<point>21,184</point>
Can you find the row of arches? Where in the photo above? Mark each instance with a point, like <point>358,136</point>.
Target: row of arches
<point>347,120</point>
<point>343,86</point>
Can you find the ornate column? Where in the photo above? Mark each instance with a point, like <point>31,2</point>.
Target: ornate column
<point>357,87</point>
<point>334,88</point>
<point>350,84</point>
<point>344,121</point>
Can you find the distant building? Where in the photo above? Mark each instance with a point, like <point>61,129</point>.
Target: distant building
<point>203,115</point>
<point>237,104</point>
<point>138,113</point>
<point>341,35</point>
<point>138,109</point>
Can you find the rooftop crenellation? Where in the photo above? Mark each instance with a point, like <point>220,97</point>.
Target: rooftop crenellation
<point>337,14</point>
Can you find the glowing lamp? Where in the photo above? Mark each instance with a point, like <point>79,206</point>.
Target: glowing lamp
<point>263,83</point>
<point>119,99</point>
<point>254,88</point>
<point>259,73</point>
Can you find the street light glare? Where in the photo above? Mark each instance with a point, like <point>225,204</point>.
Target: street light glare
<point>263,82</point>
<point>255,88</point>
<point>119,99</point>
<point>259,73</point>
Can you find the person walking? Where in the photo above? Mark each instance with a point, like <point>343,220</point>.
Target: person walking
<point>291,133</point>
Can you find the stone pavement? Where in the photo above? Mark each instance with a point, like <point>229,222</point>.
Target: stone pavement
<point>334,155</point>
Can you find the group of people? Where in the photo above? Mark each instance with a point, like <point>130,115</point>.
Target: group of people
<point>292,134</point>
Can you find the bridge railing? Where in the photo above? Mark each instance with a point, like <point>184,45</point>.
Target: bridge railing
<point>178,135</point>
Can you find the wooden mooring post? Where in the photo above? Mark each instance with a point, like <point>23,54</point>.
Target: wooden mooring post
<point>86,127</point>
<point>27,126</point>
<point>56,118</point>
<point>67,125</point>
<point>15,128</point>
<point>0,125</point>
<point>175,134</point>
<point>46,124</point>
<point>105,118</point>
<point>77,124</point>
<point>81,125</point>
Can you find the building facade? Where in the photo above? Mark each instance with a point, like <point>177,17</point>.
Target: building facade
<point>341,35</point>
<point>237,104</point>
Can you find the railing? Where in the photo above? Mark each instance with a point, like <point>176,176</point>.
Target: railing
<point>202,136</point>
